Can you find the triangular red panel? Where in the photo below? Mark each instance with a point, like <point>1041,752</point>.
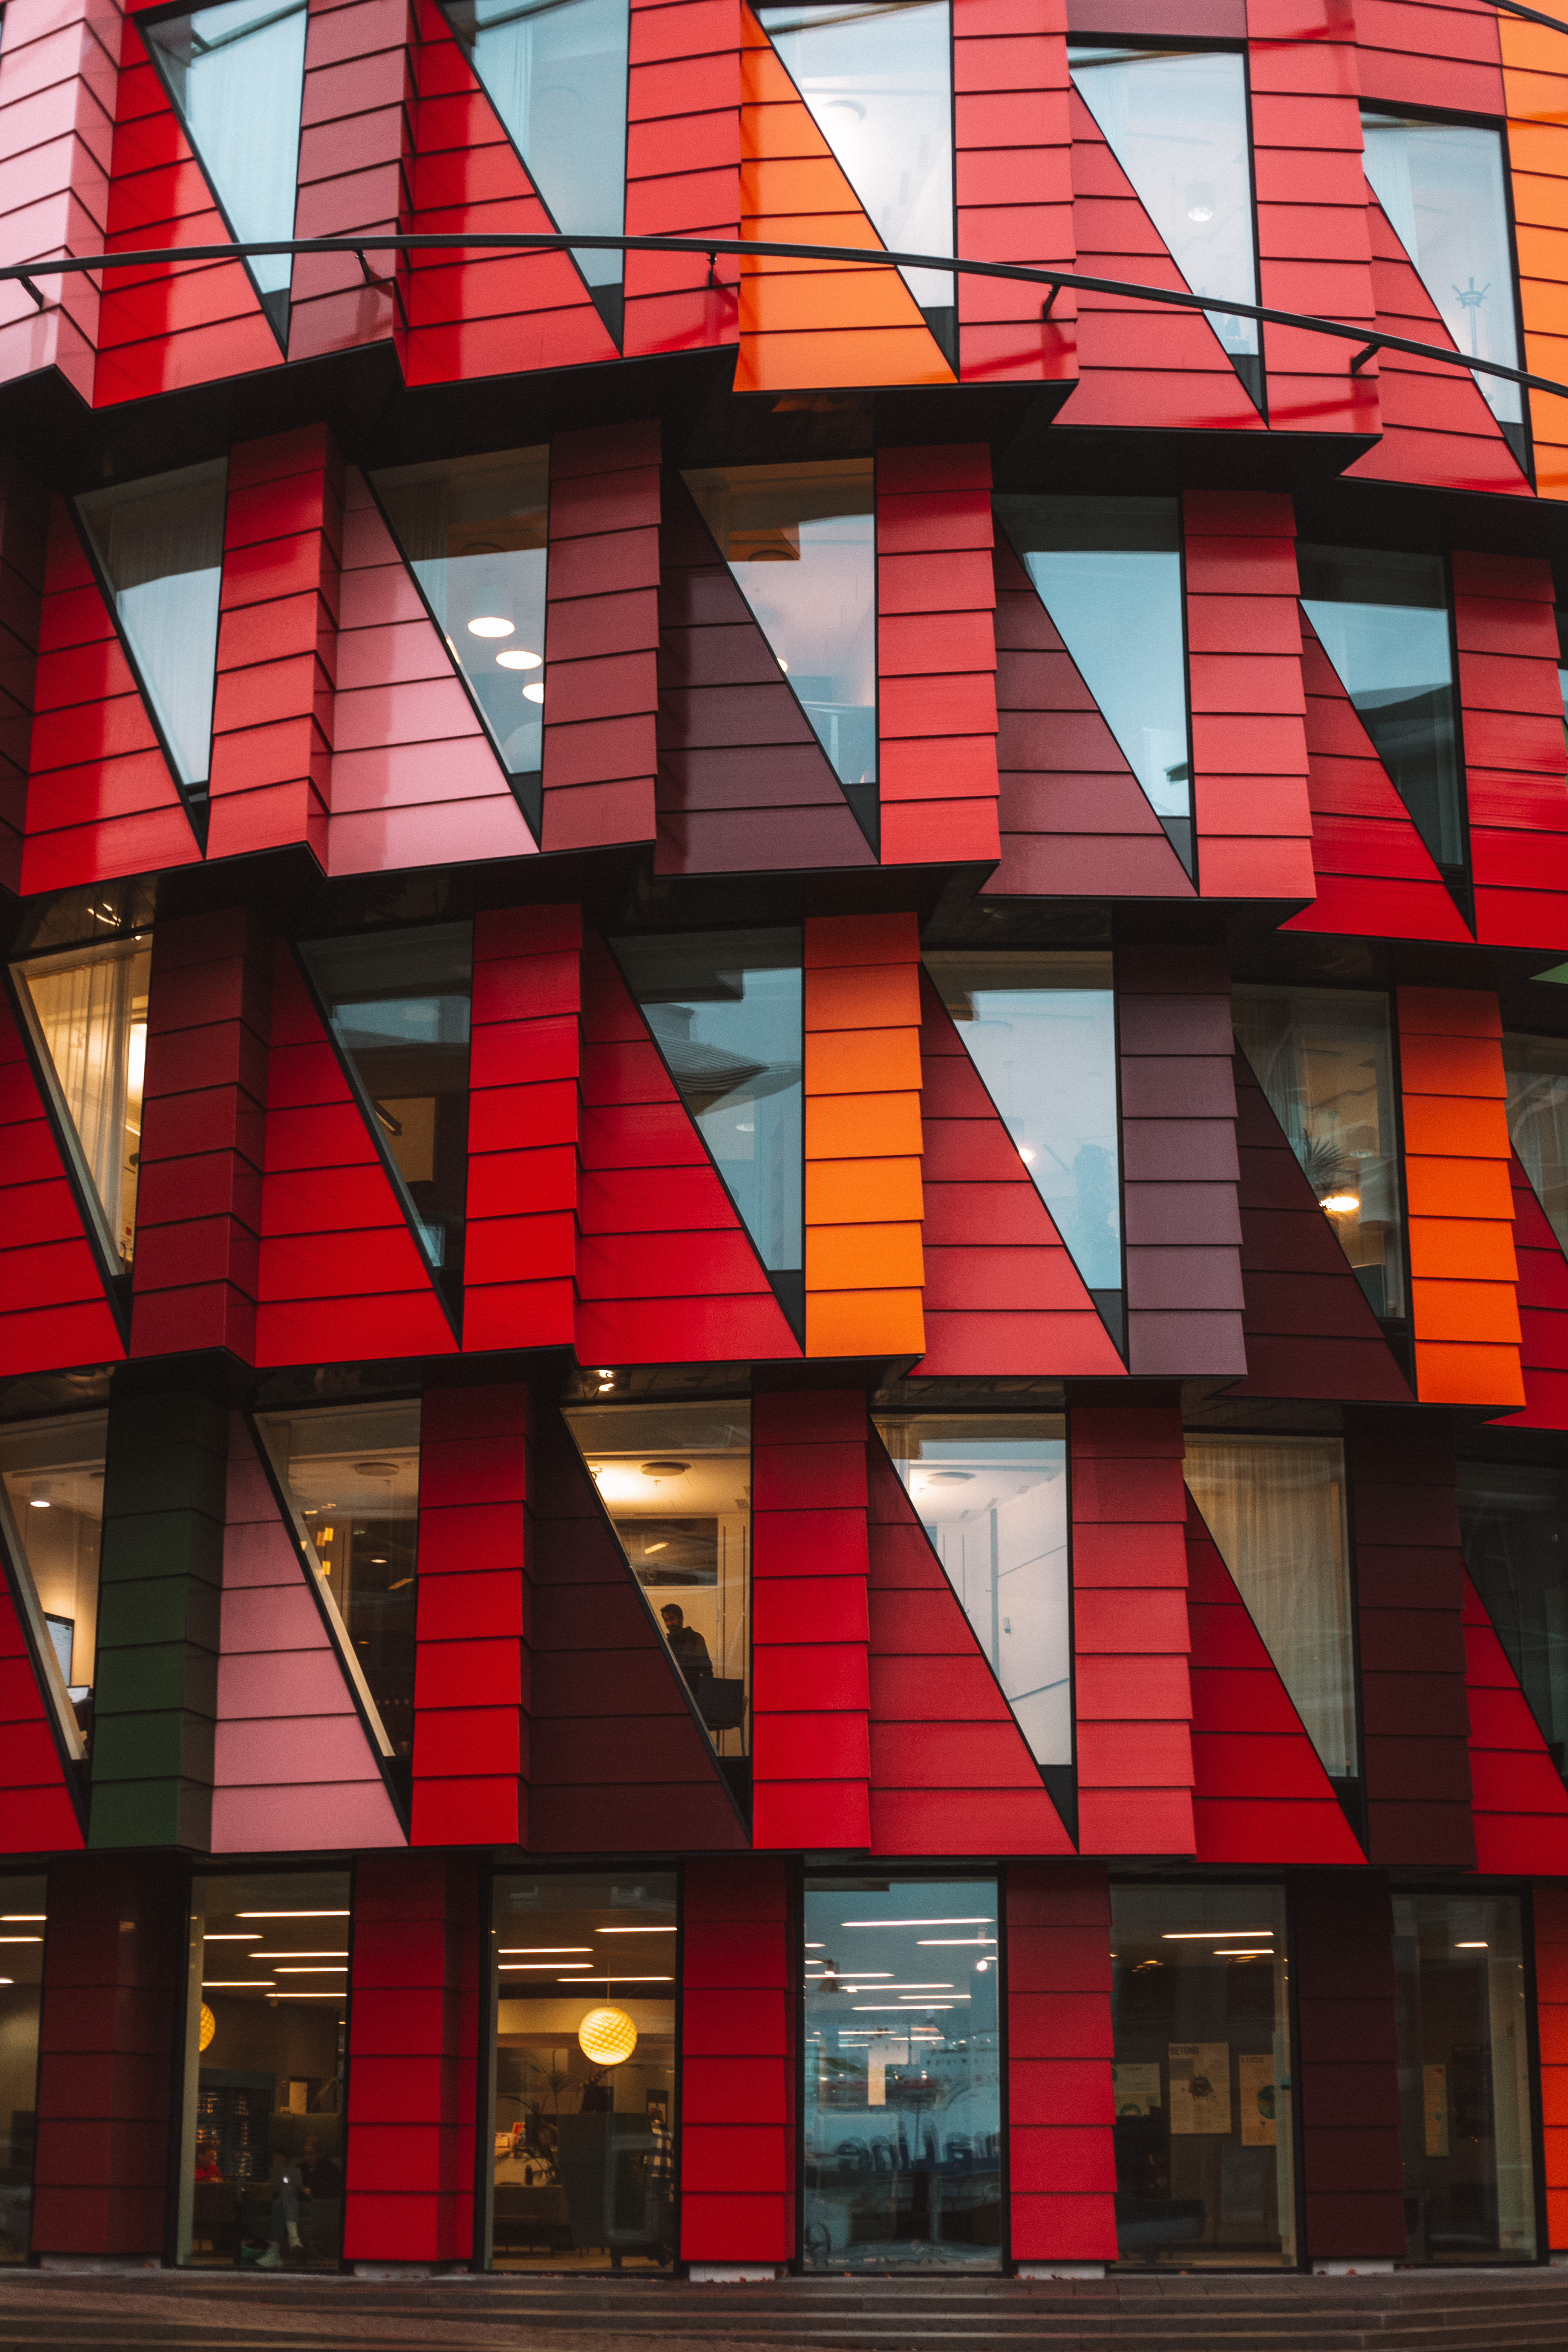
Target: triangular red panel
<point>101,799</point>
<point>1075,820</point>
<point>1140,363</point>
<point>615,1752</point>
<point>497,314</point>
<point>1260,1793</point>
<point>1436,427</point>
<point>1309,1327</point>
<point>53,1310</point>
<point>1542,1310</point>
<point>1376,874</point>
<point>668,1274</point>
<point>340,1276</point>
<point>744,783</point>
<point>950,1771</point>
<point>174,325</point>
<point>1520,1805</point>
<point>36,1805</point>
<point>1002,1293</point>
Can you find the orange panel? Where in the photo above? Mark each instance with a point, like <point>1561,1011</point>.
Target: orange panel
<point>1467,1310</point>
<point>867,1256</point>
<point>1465,1249</point>
<point>1452,1124</point>
<point>859,1192</point>
<point>1439,1187</point>
<point>848,1127</point>
<point>1449,1373</point>
<point>864,1323</point>
<point>1449,1066</point>
<point>870,996</point>
<point>863,1061</point>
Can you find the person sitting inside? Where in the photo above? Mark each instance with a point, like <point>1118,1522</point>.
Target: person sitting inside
<point>209,2166</point>
<point>285,2218</point>
<point>320,2175</point>
<point>687,1646</point>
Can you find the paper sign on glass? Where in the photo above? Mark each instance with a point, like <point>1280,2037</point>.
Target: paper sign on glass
<point>1200,2086</point>
<point>1135,2090</point>
<point>1258,2114</point>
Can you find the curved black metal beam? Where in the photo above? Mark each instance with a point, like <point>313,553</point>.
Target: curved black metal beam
<point>1369,341</point>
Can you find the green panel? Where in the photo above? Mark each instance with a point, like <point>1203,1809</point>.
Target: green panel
<point>163,1543</point>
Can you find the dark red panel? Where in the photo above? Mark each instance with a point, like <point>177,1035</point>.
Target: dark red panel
<point>1013,167</point>
<point>1516,768</point>
<point>1348,2067</point>
<point>1521,1803</point>
<point>356,139</point>
<point>37,1806</point>
<point>738,2064</point>
<point>1060,2109</point>
<point>24,539</point>
<point>54,1300</point>
<point>1543,1310</point>
<point>683,171</point>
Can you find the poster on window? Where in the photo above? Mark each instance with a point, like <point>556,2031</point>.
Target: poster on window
<point>1200,2086</point>
<point>1135,2091</point>
<point>1435,2102</point>
<point>1255,2070</point>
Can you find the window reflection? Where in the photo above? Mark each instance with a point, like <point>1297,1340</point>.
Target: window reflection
<point>991,1494</point>
<point>1443,186</point>
<point>1464,2078</point>
<point>801,542</point>
<point>352,1475</point>
<point>1275,1509</point>
<point>677,1482</point>
<point>1383,621</point>
<point>1201,2081</point>
<point>1537,1073</point>
<point>476,533</point>
<point>726,1009</point>
<point>53,1476</point>
<point>24,1907</point>
<point>261,2176</point>
<point>583,2175</point>
<point>1041,1031</point>
<point>902,2122</point>
<point>877,77</point>
<point>1514,1521</point>
<point>88,1012</point>
<point>398,1003</point>
<point>1177,124</point>
<point>1109,572</point>
<point>160,544</point>
<point>1324,1058</point>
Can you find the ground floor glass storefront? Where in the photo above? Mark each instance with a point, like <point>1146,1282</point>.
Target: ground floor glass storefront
<point>23,1920</point>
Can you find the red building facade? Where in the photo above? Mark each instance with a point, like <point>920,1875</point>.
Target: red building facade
<point>799,1263</point>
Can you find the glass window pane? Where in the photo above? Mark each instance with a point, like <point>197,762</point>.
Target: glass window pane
<point>1514,1519</point>
<point>1202,2077</point>
<point>352,1476</point>
<point>88,1014</point>
<point>1537,1070</point>
<point>902,2125</point>
<point>1464,2078</point>
<point>1442,186</point>
<point>1109,572</point>
<point>725,1007</point>
<point>991,1496</point>
<point>1383,621</point>
<point>555,72</point>
<point>476,533</point>
<point>1041,1031</point>
<point>160,543</point>
<point>23,1922</point>
<point>1275,1509</point>
<point>877,77</point>
<point>398,1003</point>
<point>1561,619</point>
<point>236,76</point>
<point>1324,1058</point>
<point>583,2172</point>
<point>261,2172</point>
<point>53,1476</point>
<point>676,1480</point>
<point>1178,127</point>
<point>802,543</point>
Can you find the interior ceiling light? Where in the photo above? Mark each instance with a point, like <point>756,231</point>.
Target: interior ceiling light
<point>664,1469</point>
<point>606,2037</point>
<point>1341,1204</point>
<point>518,657</point>
<point>534,694</point>
<point>490,625</point>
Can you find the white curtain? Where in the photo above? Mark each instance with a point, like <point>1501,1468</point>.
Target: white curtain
<point>161,543</point>
<point>1275,1507</point>
<point>84,1012</point>
<point>239,73</point>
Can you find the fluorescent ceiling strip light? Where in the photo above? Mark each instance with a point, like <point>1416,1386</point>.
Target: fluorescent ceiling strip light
<point>988,1922</point>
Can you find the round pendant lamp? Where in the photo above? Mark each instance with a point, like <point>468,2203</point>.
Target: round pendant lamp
<point>606,2037</point>
<point>208,2025</point>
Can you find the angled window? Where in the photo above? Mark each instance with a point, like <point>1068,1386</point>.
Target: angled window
<point>1383,619</point>
<point>1041,1031</point>
<point>676,1480</point>
<point>1109,572</point>
<point>398,1005</point>
<point>801,541</point>
<point>159,545</point>
<point>1537,1073</point>
<point>351,1475</point>
<point>1275,1509</point>
<point>475,532</point>
<point>877,77</point>
<point>87,1008</point>
<point>1177,122</point>
<point>1561,619</point>
<point>1443,186</point>
<point>235,75</point>
<point>555,72</point>
<point>1324,1058</point>
<point>1513,1520</point>
<point>725,1009</point>
<point>52,1471</point>
<point>991,1496</point>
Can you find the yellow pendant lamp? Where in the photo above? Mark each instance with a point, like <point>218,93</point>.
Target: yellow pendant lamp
<point>606,2037</point>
